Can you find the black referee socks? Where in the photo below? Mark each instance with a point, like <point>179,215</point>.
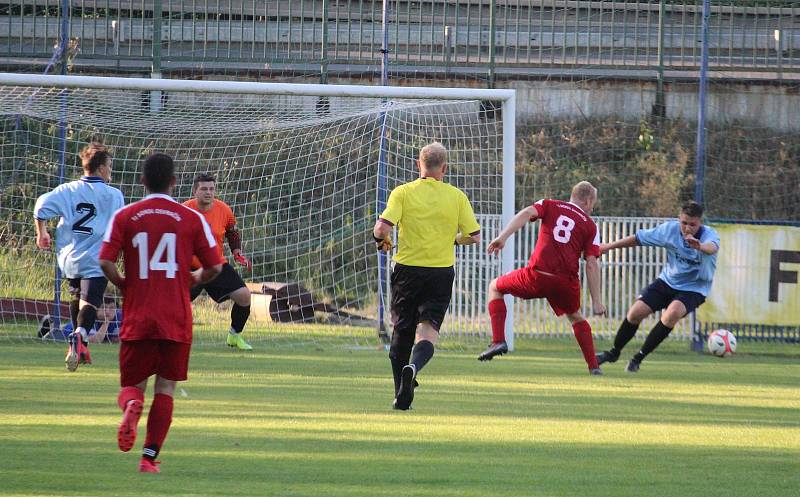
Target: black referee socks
<point>421,354</point>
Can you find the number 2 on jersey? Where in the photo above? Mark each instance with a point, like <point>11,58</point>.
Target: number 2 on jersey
<point>163,259</point>
<point>563,229</point>
<point>79,226</point>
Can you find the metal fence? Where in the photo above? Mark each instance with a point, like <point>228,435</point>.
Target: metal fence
<point>481,37</point>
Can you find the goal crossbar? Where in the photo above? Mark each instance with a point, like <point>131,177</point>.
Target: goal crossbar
<point>255,88</point>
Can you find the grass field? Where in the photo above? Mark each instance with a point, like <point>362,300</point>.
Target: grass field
<point>316,421</point>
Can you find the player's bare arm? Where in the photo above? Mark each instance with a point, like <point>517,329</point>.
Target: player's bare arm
<point>42,235</point>
<point>708,248</point>
<point>204,275</point>
<point>112,273</point>
<point>593,279</point>
<point>517,222</point>
<point>628,241</point>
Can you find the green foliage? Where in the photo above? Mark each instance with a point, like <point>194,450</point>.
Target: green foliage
<point>648,169</point>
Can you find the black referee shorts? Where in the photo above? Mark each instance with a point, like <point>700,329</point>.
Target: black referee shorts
<point>221,287</point>
<point>420,294</point>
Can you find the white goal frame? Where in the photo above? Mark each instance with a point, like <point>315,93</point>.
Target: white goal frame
<point>506,97</point>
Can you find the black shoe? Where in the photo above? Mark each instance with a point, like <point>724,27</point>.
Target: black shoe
<point>606,356</point>
<point>405,395</point>
<point>633,366</point>
<point>494,349</point>
<point>44,326</point>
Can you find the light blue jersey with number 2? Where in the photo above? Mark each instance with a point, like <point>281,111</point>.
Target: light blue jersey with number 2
<point>85,207</point>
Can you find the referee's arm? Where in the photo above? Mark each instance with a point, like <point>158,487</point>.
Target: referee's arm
<point>382,233</point>
<point>462,239</point>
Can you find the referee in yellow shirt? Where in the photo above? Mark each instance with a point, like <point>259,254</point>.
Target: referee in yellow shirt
<point>430,216</point>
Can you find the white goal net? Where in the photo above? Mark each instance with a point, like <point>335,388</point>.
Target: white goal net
<point>304,168</point>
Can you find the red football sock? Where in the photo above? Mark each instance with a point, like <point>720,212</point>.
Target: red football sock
<point>127,394</point>
<point>583,333</point>
<point>158,421</point>
<point>497,313</point>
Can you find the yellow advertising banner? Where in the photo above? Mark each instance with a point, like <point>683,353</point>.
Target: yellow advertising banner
<point>757,276</point>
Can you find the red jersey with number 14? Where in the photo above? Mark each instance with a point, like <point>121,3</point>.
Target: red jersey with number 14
<point>566,233</point>
<point>158,238</point>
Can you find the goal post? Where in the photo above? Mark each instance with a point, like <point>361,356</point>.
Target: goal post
<point>296,162</point>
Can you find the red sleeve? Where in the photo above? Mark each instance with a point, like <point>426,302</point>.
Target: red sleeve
<point>112,240</point>
<point>592,247</point>
<point>540,208</point>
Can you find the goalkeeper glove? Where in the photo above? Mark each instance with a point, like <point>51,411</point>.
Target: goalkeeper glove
<point>244,261</point>
<point>383,244</point>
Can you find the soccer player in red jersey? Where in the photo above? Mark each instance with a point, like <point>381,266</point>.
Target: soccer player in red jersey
<point>229,285</point>
<point>158,238</point>
<point>566,232</point>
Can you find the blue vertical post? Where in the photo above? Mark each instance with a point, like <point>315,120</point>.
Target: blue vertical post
<point>382,174</point>
<point>62,146</point>
<point>700,153</point>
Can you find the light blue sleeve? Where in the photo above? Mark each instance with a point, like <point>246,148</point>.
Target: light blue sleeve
<point>50,205</point>
<point>119,202</point>
<point>655,237</point>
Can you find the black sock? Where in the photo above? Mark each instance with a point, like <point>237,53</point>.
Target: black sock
<point>421,354</point>
<point>150,452</point>
<point>239,315</point>
<point>74,308</point>
<point>653,340</point>
<point>86,317</point>
<point>625,333</point>
<point>399,352</point>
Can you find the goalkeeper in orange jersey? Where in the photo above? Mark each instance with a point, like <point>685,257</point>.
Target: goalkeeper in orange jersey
<point>228,285</point>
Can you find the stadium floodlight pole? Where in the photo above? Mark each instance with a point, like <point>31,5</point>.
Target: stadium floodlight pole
<point>382,179</point>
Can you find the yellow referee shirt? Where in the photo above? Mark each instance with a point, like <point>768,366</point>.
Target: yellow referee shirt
<point>428,214</point>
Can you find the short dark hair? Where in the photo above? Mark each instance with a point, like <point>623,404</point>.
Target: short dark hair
<point>94,155</point>
<point>692,209</point>
<point>202,178</point>
<point>159,169</point>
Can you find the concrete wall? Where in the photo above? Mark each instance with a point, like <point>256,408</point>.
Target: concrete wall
<point>769,106</point>
<point>773,105</point>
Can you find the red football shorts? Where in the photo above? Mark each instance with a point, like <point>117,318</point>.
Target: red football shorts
<point>141,359</point>
<point>562,293</point>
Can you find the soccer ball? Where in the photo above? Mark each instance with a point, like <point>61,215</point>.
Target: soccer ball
<point>721,343</point>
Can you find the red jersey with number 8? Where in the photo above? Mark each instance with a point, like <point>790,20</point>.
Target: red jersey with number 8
<point>566,232</point>
<point>158,238</point>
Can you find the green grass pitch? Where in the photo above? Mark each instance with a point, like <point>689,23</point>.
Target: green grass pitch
<point>317,421</point>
